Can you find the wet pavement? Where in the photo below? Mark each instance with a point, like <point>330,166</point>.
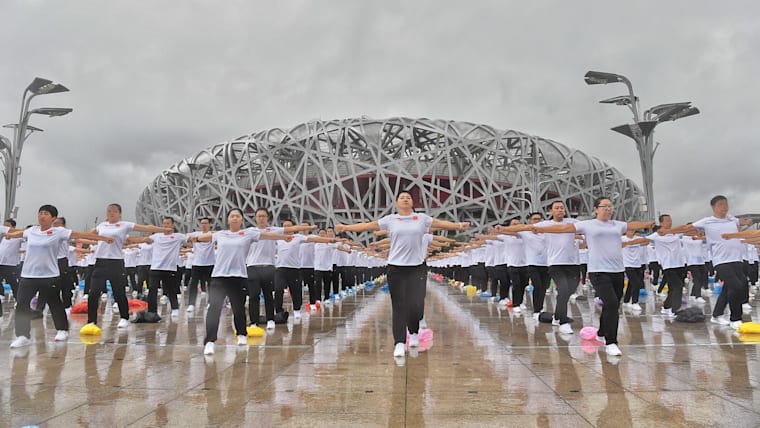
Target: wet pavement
<point>484,366</point>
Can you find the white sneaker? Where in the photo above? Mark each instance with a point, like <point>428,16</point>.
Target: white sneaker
<point>115,306</point>
<point>270,325</point>
<point>667,312</point>
<point>163,300</point>
<point>555,321</point>
<point>313,309</point>
<point>123,323</point>
<point>535,316</point>
<point>242,340</point>
<point>104,297</point>
<point>423,323</point>
<point>398,350</point>
<point>414,340</point>
<point>203,294</point>
<point>20,342</point>
<point>85,297</point>
<point>613,350</point>
<point>635,307</point>
<point>516,309</point>
<point>720,321</point>
<point>573,296</point>
<point>735,324</point>
<point>297,314</point>
<point>134,294</point>
<point>700,300</point>
<point>503,302</point>
<point>208,349</point>
<point>190,308</point>
<point>61,336</point>
<point>746,307</point>
<point>68,312</point>
<point>523,306</point>
<point>566,329</point>
<point>175,312</point>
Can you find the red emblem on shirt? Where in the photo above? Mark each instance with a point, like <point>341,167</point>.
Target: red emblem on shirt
<point>117,225</point>
<point>415,217</point>
<point>171,236</point>
<point>241,233</point>
<point>268,229</point>
<point>49,232</point>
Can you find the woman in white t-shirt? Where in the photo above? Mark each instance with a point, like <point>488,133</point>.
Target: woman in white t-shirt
<point>228,278</point>
<point>406,264</point>
<point>40,272</point>
<point>605,262</point>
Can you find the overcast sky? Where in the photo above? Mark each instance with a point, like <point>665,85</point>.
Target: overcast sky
<point>153,82</point>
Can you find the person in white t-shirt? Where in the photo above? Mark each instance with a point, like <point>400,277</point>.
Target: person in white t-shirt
<point>720,230</point>
<point>203,260</point>
<point>634,260</point>
<point>229,275</point>
<point>10,259</point>
<point>40,272</point>
<point>605,263</point>
<point>109,263</point>
<point>671,257</point>
<point>694,248</point>
<point>407,271</point>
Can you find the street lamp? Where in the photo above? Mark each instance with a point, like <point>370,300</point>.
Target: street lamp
<point>642,131</point>
<point>10,151</point>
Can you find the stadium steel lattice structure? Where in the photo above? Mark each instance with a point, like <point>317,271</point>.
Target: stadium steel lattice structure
<point>350,170</point>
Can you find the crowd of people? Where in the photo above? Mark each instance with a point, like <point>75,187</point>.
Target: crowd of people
<point>247,263</point>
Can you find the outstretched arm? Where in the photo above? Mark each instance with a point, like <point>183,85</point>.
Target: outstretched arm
<point>635,225</point>
<point>358,227</point>
<point>557,228</point>
<point>450,225</point>
<point>87,235</point>
<point>738,235</point>
<point>149,228</point>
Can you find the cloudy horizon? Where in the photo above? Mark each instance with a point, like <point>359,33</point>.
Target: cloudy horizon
<point>154,83</point>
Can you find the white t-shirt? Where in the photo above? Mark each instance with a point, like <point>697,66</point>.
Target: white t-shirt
<point>632,257</point>
<point>535,249</point>
<point>166,250</point>
<point>288,253</point>
<point>406,232</point>
<point>42,251</point>
<point>118,231</point>
<point>231,251</point>
<point>669,252</point>
<point>694,249</point>
<point>307,254</point>
<point>203,252</point>
<point>515,249</point>
<point>560,247</point>
<point>262,253</point>
<point>323,256</point>
<point>723,250</point>
<point>9,255</point>
<point>145,255</point>
<point>604,239</point>
<point>130,257</point>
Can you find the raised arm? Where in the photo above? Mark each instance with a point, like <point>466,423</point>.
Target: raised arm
<point>636,241</point>
<point>358,227</point>
<point>93,236</point>
<point>299,228</point>
<point>203,237</point>
<point>276,237</point>
<point>635,225</point>
<point>15,234</point>
<point>514,228</point>
<point>686,228</point>
<point>557,228</point>
<point>745,234</point>
<point>450,225</point>
<point>149,228</point>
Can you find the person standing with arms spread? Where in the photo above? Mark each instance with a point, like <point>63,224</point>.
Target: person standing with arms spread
<point>109,263</point>
<point>203,263</point>
<point>605,263</point>
<point>40,272</point>
<point>407,272</point>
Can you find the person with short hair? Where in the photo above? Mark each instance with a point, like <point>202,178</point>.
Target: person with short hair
<point>40,272</point>
<point>203,260</point>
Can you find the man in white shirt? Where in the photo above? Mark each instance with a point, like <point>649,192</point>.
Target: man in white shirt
<point>202,264</point>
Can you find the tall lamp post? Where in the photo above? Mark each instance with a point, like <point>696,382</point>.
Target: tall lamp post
<point>642,128</point>
<point>10,150</point>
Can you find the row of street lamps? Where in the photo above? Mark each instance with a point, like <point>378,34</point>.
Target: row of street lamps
<point>10,149</point>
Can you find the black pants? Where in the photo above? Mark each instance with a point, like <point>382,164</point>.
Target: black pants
<point>565,278</point>
<point>635,283</point>
<point>735,289</point>
<point>335,280</point>
<point>168,280</point>
<point>220,288</point>
<point>143,272</point>
<point>260,278</point>
<point>491,277</point>
<point>28,288</point>
<point>609,288</point>
<point>654,272</point>
<point>501,276</point>
<point>88,278</point>
<point>539,277</point>
<point>750,269</point>
<point>479,276</point>
<point>67,281</point>
<point>10,275</point>
<point>519,277</point>
<point>113,271</point>
<point>323,281</point>
<point>198,275</point>
<point>131,273</point>
<point>674,278</point>
<point>407,289</point>
<point>307,278</point>
<point>699,277</point>
<point>287,278</point>
<point>583,272</point>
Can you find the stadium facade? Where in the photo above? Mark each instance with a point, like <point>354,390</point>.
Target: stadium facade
<point>350,170</point>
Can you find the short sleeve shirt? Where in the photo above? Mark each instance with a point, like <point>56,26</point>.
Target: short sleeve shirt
<point>604,239</point>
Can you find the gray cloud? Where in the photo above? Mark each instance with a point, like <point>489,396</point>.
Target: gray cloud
<point>153,82</point>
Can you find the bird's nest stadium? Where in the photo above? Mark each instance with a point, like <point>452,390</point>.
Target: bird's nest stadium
<point>343,171</point>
